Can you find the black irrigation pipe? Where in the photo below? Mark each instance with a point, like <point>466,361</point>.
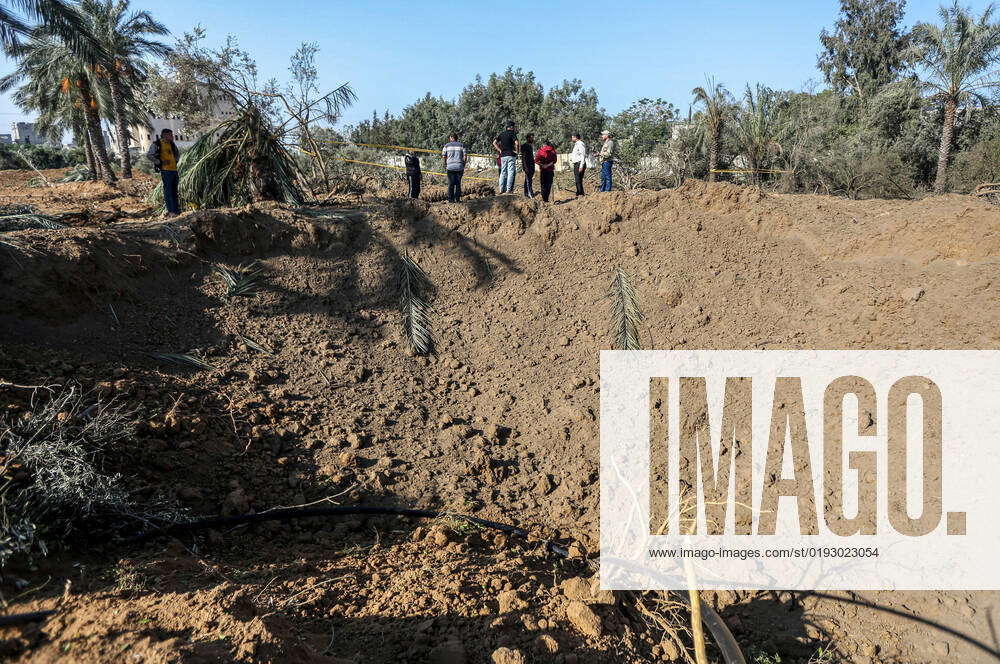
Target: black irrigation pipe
<point>22,618</point>
<point>724,639</point>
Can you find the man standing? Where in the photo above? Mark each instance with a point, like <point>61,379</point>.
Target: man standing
<point>412,162</point>
<point>508,146</point>
<point>546,160</point>
<point>579,159</point>
<point>164,154</point>
<point>528,164</point>
<point>609,152</point>
<point>454,157</point>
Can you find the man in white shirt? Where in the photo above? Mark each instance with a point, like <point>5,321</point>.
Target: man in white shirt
<point>579,159</point>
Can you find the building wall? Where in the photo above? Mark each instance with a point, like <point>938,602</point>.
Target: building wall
<point>143,137</point>
<point>25,134</point>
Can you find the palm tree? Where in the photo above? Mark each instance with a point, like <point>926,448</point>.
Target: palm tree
<point>715,100</point>
<point>957,57</point>
<point>47,68</point>
<point>57,15</point>
<point>124,36</point>
<point>756,128</point>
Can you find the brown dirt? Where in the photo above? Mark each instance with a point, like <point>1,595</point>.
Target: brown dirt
<point>82,203</point>
<point>502,423</point>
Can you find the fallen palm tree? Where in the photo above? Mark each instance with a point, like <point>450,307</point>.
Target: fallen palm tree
<point>245,158</point>
<point>238,162</point>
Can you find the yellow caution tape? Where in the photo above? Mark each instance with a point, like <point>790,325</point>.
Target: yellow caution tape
<point>401,147</point>
<point>757,170</point>
<point>400,168</point>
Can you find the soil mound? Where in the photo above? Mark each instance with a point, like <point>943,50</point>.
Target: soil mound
<point>313,396</point>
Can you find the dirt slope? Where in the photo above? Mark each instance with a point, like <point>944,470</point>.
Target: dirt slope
<point>502,423</point>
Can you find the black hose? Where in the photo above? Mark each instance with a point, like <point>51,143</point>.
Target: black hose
<point>21,618</point>
<point>724,639</point>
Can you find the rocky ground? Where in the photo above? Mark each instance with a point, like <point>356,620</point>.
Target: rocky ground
<point>313,397</point>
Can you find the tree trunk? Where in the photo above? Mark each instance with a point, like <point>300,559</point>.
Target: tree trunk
<point>88,147</point>
<point>121,125</point>
<point>96,135</point>
<point>713,154</point>
<point>947,134</point>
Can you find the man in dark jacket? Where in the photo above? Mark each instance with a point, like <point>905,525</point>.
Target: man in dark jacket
<point>528,164</point>
<point>412,162</point>
<point>164,154</point>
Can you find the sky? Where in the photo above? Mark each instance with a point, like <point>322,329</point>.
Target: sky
<point>393,52</point>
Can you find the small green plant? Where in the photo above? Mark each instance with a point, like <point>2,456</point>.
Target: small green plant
<point>129,579</point>
<point>821,656</point>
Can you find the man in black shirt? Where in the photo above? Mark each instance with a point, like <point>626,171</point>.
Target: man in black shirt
<point>413,174</point>
<point>528,164</point>
<point>509,147</point>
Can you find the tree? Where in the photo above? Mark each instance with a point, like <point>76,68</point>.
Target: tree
<point>646,123</point>
<point>956,58</point>
<point>639,129</point>
<point>58,16</point>
<point>756,128</point>
<point>245,157</point>
<point>715,101</point>
<point>48,67</point>
<point>867,48</point>
<point>124,36</point>
<point>303,103</point>
<point>482,110</point>
<point>570,108</point>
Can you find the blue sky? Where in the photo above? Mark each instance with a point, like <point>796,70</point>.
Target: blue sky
<point>394,51</point>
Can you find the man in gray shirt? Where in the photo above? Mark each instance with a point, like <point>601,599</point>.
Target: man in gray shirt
<point>609,153</point>
<point>454,157</point>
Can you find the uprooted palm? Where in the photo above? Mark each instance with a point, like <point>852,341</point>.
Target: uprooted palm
<point>238,162</point>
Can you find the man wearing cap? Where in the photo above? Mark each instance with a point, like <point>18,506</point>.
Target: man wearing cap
<point>609,151</point>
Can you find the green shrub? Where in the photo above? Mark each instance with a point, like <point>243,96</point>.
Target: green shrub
<point>980,163</point>
<point>41,156</point>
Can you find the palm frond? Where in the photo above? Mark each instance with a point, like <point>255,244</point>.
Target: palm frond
<point>242,281</point>
<point>238,162</point>
<point>29,221</point>
<point>626,316</point>
<point>78,173</point>
<point>182,359</point>
<point>257,346</point>
<point>414,287</point>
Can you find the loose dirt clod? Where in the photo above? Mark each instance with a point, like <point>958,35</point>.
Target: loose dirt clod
<point>501,423</point>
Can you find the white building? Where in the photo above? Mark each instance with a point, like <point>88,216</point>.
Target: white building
<point>25,133</point>
<point>143,137</point>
